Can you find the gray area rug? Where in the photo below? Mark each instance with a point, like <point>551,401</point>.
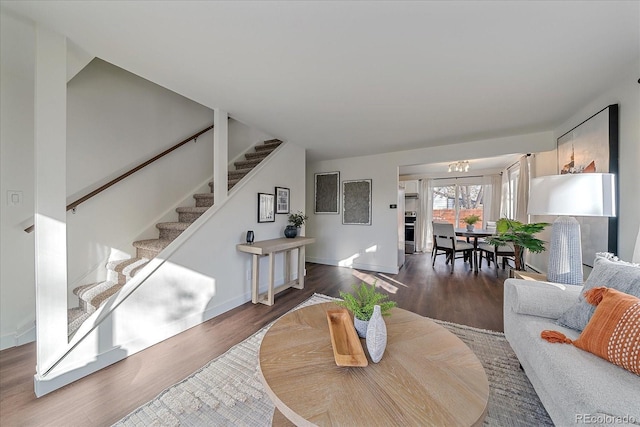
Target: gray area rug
<point>228,392</point>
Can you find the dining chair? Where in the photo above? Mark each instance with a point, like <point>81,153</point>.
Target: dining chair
<point>445,243</point>
<point>492,252</point>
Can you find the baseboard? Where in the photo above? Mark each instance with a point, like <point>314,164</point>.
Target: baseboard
<point>7,341</point>
<point>19,338</point>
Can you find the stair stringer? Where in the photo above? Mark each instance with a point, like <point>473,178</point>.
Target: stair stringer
<point>192,280</point>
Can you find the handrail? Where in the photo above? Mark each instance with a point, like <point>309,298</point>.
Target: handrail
<point>83,199</point>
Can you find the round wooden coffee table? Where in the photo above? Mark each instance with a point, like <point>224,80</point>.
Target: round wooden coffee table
<point>427,376</point>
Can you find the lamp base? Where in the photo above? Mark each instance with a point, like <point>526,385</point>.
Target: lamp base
<point>565,252</point>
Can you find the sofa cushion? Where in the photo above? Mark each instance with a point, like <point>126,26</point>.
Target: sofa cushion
<point>613,332</point>
<point>619,275</point>
<point>543,299</point>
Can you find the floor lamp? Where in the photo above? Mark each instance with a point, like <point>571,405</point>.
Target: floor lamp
<point>584,194</point>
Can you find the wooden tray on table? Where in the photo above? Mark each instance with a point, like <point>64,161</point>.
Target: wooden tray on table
<point>347,349</point>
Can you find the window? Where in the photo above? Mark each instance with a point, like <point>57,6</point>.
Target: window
<point>452,203</point>
<point>510,192</point>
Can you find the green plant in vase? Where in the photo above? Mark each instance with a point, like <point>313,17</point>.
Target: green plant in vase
<point>471,221</point>
<point>296,221</point>
<point>361,303</point>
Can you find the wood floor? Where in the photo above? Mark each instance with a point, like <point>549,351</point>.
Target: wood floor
<point>106,396</point>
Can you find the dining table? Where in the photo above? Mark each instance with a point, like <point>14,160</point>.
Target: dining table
<point>474,235</point>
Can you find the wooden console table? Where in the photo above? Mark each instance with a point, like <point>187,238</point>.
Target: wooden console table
<point>271,248</point>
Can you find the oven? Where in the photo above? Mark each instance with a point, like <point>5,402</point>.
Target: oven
<point>409,232</point>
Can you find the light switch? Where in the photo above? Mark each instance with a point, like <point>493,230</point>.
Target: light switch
<point>14,198</point>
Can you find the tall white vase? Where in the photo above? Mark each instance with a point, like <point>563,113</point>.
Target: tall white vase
<point>376,335</point>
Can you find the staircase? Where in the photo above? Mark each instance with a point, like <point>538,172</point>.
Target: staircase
<point>119,272</point>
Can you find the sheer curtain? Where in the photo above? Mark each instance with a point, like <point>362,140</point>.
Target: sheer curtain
<point>492,197</point>
<point>522,193</point>
<point>423,232</point>
<point>504,196</point>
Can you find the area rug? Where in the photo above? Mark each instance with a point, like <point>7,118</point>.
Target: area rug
<point>228,392</point>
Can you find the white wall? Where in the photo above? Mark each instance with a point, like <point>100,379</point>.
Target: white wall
<point>17,289</point>
<point>117,120</point>
<point>375,247</point>
<point>242,137</point>
<point>625,92</point>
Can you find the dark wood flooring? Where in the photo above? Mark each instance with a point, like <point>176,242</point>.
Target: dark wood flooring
<point>106,396</point>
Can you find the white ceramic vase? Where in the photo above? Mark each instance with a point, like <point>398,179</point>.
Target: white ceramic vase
<point>376,335</point>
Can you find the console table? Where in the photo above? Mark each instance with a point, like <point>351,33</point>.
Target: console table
<point>271,248</point>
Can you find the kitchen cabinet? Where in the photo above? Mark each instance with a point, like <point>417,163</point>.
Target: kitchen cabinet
<point>411,187</point>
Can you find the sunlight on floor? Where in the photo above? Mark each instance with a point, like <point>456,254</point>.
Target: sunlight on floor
<point>348,262</point>
<point>393,280</point>
<point>379,283</point>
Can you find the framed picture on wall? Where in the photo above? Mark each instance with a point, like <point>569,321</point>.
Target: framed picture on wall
<point>327,193</point>
<point>592,147</point>
<point>356,201</point>
<point>266,203</point>
<point>282,200</point>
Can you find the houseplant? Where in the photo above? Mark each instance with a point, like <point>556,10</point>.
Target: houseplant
<point>296,221</point>
<point>470,221</point>
<point>361,303</point>
<point>520,235</point>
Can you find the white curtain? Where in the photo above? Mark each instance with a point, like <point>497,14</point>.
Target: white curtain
<point>504,196</point>
<point>423,232</point>
<point>492,197</point>
<point>522,194</point>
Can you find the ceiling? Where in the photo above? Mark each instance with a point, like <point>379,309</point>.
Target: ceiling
<point>346,79</point>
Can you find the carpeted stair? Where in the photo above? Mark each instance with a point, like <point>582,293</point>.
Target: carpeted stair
<point>119,272</point>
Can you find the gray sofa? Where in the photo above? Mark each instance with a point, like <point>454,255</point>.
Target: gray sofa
<point>576,387</point>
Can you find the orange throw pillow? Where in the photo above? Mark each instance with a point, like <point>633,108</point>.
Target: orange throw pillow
<point>613,332</point>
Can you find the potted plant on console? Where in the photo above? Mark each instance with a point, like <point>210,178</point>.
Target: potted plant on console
<point>295,221</point>
<point>520,235</point>
<point>361,303</point>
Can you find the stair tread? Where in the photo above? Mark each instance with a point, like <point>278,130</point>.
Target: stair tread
<point>102,297</point>
<point>247,162</point>
<point>75,313</point>
<point>152,244</point>
<point>203,196</point>
<point>238,171</point>
<point>192,209</point>
<point>257,154</point>
<point>173,225</point>
<point>119,265</point>
<point>95,294</point>
<point>75,317</point>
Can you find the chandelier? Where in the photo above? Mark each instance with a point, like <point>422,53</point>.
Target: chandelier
<point>459,166</point>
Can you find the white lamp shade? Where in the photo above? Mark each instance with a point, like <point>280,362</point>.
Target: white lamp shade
<point>583,194</point>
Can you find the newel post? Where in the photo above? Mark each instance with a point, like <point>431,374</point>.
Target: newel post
<point>50,140</point>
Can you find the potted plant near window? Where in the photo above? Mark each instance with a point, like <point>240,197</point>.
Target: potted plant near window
<point>520,235</point>
<point>361,303</point>
<point>471,221</point>
<point>296,221</point>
